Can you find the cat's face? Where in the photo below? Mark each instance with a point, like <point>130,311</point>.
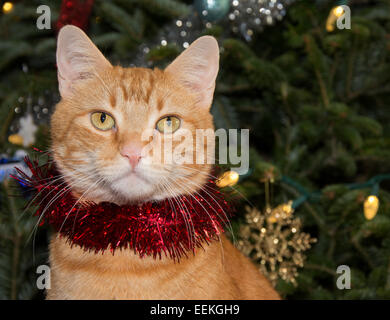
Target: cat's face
<point>111,129</point>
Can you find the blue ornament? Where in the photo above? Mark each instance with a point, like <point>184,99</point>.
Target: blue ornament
<point>212,10</point>
<point>7,165</point>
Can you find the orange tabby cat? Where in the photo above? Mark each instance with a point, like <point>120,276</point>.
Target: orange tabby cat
<point>104,162</point>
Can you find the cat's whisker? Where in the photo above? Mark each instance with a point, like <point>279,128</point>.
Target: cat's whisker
<point>59,177</point>
<point>211,219</point>
<point>78,200</point>
<point>61,192</point>
<point>227,221</point>
<point>198,186</point>
<point>214,177</point>
<point>31,202</point>
<point>175,198</point>
<point>33,232</point>
<point>172,206</point>
<point>190,193</point>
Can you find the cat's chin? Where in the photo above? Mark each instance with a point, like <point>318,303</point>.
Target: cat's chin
<point>134,188</point>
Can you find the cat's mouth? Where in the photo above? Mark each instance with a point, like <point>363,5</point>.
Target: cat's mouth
<point>133,186</point>
<point>134,176</point>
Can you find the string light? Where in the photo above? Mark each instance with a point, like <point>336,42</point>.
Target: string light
<point>7,7</point>
<point>371,205</point>
<point>334,14</point>
<point>338,11</point>
<point>228,178</point>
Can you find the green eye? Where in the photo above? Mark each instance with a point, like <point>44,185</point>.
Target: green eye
<point>168,124</point>
<point>102,121</point>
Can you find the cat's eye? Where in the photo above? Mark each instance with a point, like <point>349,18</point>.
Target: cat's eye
<point>168,124</point>
<point>102,121</point>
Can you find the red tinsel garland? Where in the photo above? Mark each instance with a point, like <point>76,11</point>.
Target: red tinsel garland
<point>149,229</point>
<point>75,12</point>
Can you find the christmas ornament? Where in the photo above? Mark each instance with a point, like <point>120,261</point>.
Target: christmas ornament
<point>212,10</point>
<point>173,228</point>
<point>16,139</point>
<point>75,12</point>
<point>244,19</point>
<point>27,130</point>
<point>30,112</point>
<point>25,136</point>
<point>250,16</point>
<point>371,206</point>
<point>8,164</point>
<point>179,35</point>
<point>7,7</point>
<point>228,178</point>
<point>274,241</point>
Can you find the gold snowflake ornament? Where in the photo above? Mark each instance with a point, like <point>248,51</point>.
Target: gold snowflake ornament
<point>274,241</point>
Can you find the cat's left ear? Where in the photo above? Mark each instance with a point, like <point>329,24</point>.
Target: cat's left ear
<point>197,68</point>
<point>77,59</point>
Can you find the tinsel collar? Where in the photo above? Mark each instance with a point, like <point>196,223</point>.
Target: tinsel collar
<point>168,227</point>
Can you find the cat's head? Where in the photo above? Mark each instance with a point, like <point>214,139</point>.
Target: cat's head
<point>111,128</point>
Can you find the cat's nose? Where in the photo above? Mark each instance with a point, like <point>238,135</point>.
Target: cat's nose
<point>133,153</point>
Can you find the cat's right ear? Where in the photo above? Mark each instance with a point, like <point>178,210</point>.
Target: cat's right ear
<point>77,59</point>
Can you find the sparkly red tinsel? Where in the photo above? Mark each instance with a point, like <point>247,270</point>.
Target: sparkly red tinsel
<point>75,12</point>
<point>150,229</point>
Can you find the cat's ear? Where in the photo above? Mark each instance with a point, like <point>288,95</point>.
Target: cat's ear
<point>77,58</point>
<point>197,68</point>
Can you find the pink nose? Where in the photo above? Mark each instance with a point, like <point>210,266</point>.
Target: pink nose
<point>133,153</point>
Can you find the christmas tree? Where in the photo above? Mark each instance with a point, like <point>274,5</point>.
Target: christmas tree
<point>314,96</point>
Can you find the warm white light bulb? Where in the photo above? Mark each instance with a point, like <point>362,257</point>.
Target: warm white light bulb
<point>338,11</point>
<point>371,206</point>
<point>7,7</point>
